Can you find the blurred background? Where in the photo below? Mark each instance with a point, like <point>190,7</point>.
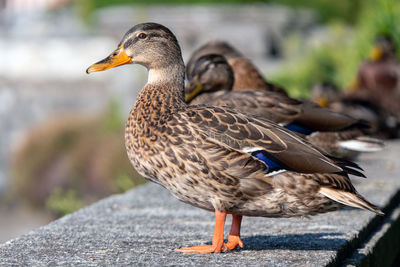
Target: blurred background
<point>61,134</point>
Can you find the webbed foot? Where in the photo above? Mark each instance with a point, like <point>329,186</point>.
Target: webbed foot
<point>233,242</point>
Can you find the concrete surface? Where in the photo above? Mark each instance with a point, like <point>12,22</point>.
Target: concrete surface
<point>144,225</point>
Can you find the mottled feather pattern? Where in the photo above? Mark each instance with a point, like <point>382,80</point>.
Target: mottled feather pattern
<point>269,105</point>
<point>205,151</point>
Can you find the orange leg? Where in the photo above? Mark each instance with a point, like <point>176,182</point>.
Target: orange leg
<point>234,234</point>
<point>217,240</point>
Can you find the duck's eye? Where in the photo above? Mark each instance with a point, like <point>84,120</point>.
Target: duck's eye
<point>142,35</point>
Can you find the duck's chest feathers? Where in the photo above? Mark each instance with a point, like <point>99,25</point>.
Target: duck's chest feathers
<point>152,128</point>
<point>163,150</point>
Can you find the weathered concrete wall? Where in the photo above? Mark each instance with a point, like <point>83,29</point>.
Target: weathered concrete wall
<point>144,225</point>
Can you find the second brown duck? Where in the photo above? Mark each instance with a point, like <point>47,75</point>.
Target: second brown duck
<point>210,82</point>
<point>246,74</point>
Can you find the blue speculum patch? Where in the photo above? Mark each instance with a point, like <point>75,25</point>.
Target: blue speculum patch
<point>268,159</point>
<point>299,128</point>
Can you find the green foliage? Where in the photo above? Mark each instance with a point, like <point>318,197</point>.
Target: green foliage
<point>104,3</point>
<point>300,75</point>
<point>381,17</point>
<point>113,118</point>
<point>318,62</point>
<point>85,9</point>
<point>338,59</point>
<point>62,202</point>
<point>328,10</point>
<point>123,182</point>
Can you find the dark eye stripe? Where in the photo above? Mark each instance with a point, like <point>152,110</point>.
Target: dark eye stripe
<point>203,66</point>
<point>131,42</point>
<point>153,34</point>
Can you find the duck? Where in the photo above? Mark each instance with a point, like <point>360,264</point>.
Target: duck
<point>378,77</point>
<point>246,74</point>
<point>384,125</point>
<point>210,82</point>
<point>219,159</point>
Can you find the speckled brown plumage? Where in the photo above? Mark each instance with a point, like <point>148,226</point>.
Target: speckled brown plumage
<point>333,128</point>
<point>199,152</point>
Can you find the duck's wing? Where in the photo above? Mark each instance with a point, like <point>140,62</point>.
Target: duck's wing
<point>324,119</point>
<point>247,134</point>
<point>283,109</point>
<point>273,106</point>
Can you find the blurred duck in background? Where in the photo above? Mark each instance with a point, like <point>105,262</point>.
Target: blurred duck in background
<point>379,77</point>
<point>375,95</point>
<point>383,123</point>
<point>210,79</point>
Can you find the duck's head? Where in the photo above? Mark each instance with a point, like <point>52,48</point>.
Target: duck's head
<point>324,93</point>
<point>149,44</point>
<point>210,73</point>
<point>384,48</point>
<point>213,47</point>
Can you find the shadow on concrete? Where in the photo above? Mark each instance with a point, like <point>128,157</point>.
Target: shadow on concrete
<point>307,241</point>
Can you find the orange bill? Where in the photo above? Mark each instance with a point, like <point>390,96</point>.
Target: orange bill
<point>193,88</point>
<point>322,101</point>
<point>117,58</point>
<point>376,53</point>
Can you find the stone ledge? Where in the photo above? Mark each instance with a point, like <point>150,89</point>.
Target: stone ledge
<point>144,225</point>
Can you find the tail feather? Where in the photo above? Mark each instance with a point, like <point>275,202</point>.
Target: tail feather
<point>350,199</point>
<point>348,166</point>
<point>345,163</point>
<point>348,170</point>
<point>363,144</point>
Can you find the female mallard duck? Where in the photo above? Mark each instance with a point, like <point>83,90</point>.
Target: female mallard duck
<point>216,158</point>
<point>246,75</point>
<point>378,78</point>
<point>210,82</point>
<point>383,124</point>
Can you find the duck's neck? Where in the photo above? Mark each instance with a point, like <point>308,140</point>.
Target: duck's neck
<point>164,91</point>
<point>172,74</point>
